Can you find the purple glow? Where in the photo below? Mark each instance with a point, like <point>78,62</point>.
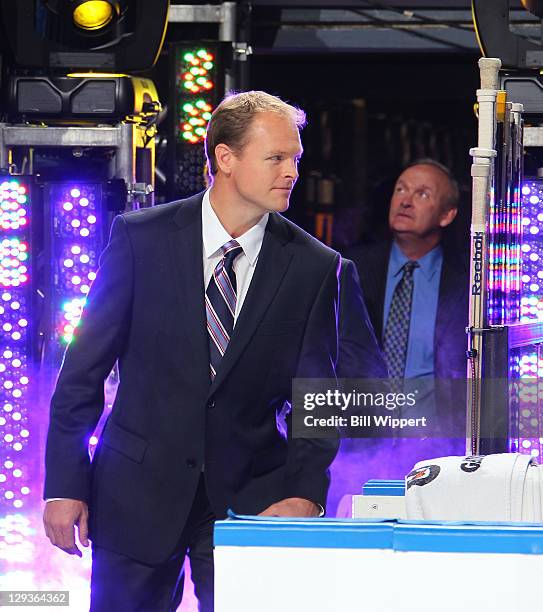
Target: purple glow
<point>527,364</point>
<point>532,270</point>
<point>15,347</point>
<point>78,216</point>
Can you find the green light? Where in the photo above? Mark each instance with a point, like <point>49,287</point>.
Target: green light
<point>201,53</point>
<point>201,80</point>
<point>200,103</point>
<point>208,65</point>
<point>193,121</point>
<point>187,84</point>
<point>206,116</point>
<point>188,57</point>
<point>187,135</point>
<point>200,131</point>
<point>187,107</point>
<point>195,70</point>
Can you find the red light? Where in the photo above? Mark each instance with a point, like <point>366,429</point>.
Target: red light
<point>208,85</point>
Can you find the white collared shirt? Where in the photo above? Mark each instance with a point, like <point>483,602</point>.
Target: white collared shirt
<point>214,236</point>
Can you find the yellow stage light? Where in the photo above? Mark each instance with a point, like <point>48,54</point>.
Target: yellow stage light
<point>93,14</point>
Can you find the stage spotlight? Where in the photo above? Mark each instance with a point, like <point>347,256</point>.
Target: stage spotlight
<point>79,35</point>
<point>94,14</point>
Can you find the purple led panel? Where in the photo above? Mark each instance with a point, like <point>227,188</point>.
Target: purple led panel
<point>532,250</point>
<point>504,278</point>
<point>78,222</point>
<point>527,416</point>
<point>526,401</point>
<point>15,342</point>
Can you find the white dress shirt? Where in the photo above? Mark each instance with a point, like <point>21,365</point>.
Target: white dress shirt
<point>214,236</point>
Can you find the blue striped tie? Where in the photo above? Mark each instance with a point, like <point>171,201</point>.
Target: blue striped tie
<point>396,336</point>
<point>221,304</point>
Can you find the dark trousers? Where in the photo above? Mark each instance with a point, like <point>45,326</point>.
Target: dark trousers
<point>124,585</point>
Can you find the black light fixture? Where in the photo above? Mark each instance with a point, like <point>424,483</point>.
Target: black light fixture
<point>121,36</point>
<point>84,24</point>
<point>533,6</point>
<point>492,27</point>
<point>522,58</point>
<point>71,60</point>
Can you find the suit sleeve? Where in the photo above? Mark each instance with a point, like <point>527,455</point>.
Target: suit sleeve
<point>78,400</point>
<point>309,459</point>
<point>359,353</point>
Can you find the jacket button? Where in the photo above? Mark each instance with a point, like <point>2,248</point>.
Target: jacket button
<point>211,404</point>
<point>191,463</point>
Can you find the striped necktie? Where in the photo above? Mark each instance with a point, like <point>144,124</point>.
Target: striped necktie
<point>396,336</point>
<point>221,304</point>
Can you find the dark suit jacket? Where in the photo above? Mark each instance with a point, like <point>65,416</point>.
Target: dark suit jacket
<point>146,310</point>
<point>450,340</point>
<point>359,352</point>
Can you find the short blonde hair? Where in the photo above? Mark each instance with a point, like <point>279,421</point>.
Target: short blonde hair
<point>231,120</point>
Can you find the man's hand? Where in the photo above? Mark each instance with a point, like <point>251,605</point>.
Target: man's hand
<point>59,519</point>
<point>292,506</point>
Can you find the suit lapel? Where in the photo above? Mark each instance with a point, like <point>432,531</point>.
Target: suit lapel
<point>273,261</point>
<point>185,245</point>
<point>377,271</point>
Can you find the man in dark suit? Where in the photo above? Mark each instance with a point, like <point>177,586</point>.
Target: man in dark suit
<point>359,358</point>
<point>423,204</point>
<point>211,306</point>
<point>359,352</point>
